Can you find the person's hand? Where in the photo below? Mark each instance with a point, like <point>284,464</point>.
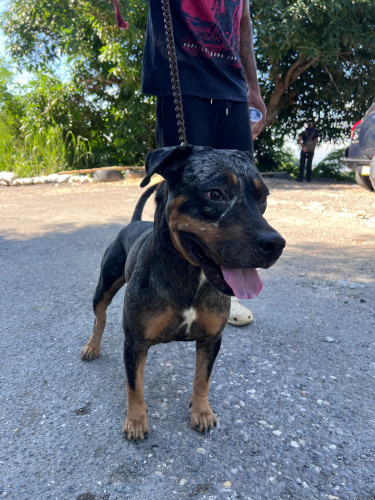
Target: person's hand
<point>256,101</point>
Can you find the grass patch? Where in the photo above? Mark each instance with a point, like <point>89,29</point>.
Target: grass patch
<point>44,152</point>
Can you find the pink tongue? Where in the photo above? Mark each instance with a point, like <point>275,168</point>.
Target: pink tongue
<point>245,283</point>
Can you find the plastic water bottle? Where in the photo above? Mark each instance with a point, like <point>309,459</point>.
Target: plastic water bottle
<point>255,115</point>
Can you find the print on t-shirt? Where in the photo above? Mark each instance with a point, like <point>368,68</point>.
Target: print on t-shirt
<point>214,28</point>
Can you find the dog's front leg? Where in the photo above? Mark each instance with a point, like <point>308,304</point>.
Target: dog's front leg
<point>135,425</point>
<point>202,417</point>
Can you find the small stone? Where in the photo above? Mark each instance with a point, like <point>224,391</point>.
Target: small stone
<point>27,181</point>
<point>227,484</point>
<point>63,178</point>
<point>108,175</point>
<point>8,177</point>
<point>75,179</point>
<point>183,482</point>
<point>329,339</point>
<point>85,179</point>
<point>52,178</point>
<point>242,404</point>
<point>294,444</point>
<point>277,432</point>
<point>201,450</point>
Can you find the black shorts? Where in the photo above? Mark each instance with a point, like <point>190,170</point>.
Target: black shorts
<point>217,123</point>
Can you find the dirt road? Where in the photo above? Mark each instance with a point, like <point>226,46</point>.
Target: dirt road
<point>294,391</point>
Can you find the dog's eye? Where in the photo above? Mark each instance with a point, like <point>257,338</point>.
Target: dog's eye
<point>263,204</point>
<point>215,195</point>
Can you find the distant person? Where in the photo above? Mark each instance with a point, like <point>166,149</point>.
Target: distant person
<point>307,140</point>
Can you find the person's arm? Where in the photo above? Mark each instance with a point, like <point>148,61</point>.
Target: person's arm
<point>249,65</point>
<point>300,142</point>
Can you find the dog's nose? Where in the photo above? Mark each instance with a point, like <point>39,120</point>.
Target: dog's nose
<point>271,244</point>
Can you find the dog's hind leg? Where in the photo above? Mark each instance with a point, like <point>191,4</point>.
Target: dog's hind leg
<point>202,417</point>
<point>110,281</point>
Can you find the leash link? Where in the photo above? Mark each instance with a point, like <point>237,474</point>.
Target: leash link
<point>173,68</point>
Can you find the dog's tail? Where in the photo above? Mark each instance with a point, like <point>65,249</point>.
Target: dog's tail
<point>137,214</point>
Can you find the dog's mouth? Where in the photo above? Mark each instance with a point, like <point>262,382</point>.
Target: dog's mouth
<point>243,283</point>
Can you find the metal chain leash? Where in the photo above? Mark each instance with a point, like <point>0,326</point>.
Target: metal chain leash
<point>173,68</point>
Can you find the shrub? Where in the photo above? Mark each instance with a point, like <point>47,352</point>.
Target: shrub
<point>43,151</point>
<point>333,167</point>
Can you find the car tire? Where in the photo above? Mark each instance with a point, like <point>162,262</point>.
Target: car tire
<point>364,181</point>
<point>372,172</point>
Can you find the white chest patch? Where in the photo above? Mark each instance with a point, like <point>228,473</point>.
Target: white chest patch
<point>190,315</point>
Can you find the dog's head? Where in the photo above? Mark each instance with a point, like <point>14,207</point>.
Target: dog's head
<point>215,206</point>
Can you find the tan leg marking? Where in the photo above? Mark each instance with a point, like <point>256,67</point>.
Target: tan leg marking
<point>210,321</point>
<point>135,425</point>
<point>92,348</point>
<point>154,326</point>
<point>202,417</point>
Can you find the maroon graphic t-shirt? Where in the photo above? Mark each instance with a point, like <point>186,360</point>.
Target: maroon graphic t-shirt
<point>207,38</point>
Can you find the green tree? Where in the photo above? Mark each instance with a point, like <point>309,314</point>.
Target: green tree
<point>103,66</point>
<point>316,58</point>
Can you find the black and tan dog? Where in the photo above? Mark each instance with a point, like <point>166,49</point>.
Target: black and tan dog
<point>208,237</point>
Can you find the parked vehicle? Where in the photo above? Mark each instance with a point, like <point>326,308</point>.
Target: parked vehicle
<point>360,155</point>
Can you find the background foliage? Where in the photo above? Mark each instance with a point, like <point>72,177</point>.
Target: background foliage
<point>314,59</point>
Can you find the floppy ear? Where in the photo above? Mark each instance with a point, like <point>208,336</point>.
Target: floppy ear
<point>164,161</point>
<point>249,155</point>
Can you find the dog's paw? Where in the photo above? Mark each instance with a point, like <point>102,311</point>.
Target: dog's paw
<point>202,418</point>
<point>90,352</point>
<point>136,428</point>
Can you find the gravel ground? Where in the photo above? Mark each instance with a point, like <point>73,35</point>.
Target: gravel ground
<point>293,392</point>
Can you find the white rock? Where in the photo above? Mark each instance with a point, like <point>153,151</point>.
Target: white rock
<point>329,339</point>
<point>3,183</point>
<point>85,179</point>
<point>25,181</point>
<point>75,179</point>
<point>8,177</point>
<point>52,178</point>
<point>63,178</point>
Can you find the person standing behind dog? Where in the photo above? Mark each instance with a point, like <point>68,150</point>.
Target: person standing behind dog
<point>307,140</point>
<point>218,80</point>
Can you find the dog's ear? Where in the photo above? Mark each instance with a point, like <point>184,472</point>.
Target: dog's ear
<point>249,155</point>
<point>164,161</point>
